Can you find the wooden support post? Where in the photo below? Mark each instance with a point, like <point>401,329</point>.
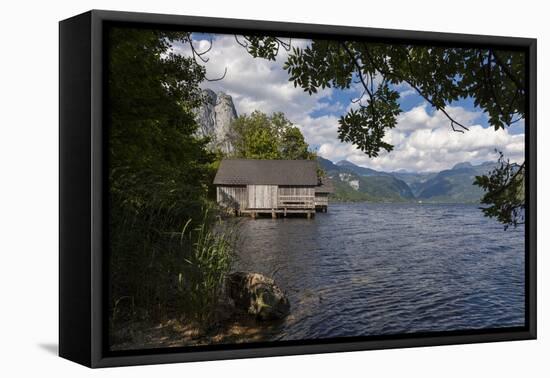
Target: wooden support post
<point>253,215</point>
<point>308,215</point>
<point>273,214</point>
<point>285,212</point>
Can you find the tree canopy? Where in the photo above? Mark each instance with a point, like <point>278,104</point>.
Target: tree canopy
<point>259,136</point>
<point>155,157</point>
<point>494,79</point>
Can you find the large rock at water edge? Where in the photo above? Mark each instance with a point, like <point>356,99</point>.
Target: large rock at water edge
<point>258,295</point>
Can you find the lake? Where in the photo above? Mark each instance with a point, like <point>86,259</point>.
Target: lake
<point>379,269</point>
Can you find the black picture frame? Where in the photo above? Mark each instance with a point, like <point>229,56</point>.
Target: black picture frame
<point>83,228</point>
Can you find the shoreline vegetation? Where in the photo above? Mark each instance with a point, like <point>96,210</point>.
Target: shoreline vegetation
<point>168,256</point>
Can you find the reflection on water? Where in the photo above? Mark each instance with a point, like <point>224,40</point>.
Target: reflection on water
<point>371,269</point>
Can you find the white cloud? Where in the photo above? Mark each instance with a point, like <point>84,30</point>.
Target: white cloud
<point>405,90</point>
<point>255,83</point>
<point>423,140</point>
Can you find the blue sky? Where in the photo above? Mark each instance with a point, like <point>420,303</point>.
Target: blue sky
<point>408,100</point>
<point>423,139</point>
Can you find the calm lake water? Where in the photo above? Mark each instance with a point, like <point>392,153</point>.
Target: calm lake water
<point>372,269</point>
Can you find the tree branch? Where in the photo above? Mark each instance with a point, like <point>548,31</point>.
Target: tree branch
<point>358,67</point>
<point>489,81</point>
<point>243,44</point>
<point>199,55</point>
<point>286,45</point>
<point>507,71</point>
<point>419,91</point>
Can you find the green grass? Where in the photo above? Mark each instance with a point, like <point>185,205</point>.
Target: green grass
<point>157,274</point>
<point>208,251</point>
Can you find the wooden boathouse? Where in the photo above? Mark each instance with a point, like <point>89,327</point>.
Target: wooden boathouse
<point>322,192</point>
<point>276,187</point>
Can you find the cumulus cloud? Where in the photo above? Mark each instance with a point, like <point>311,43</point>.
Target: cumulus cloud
<point>405,90</point>
<point>255,83</point>
<point>426,142</point>
<point>422,140</point>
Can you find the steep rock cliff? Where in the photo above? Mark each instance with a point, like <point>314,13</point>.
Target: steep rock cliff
<point>214,118</point>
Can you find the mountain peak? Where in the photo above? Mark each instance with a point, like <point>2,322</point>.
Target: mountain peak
<point>357,169</point>
<point>344,163</point>
<point>463,165</point>
<point>214,117</point>
<point>209,96</point>
<point>353,182</point>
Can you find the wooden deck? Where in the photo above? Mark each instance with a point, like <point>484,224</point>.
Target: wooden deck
<point>275,213</point>
<point>286,204</point>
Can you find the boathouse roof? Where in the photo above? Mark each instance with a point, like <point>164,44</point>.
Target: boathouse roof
<point>326,186</point>
<point>267,172</point>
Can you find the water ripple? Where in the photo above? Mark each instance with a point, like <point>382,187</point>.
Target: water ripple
<point>373,269</point>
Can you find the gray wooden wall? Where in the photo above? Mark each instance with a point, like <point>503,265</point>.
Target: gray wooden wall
<point>262,196</point>
<point>265,197</point>
<point>232,196</point>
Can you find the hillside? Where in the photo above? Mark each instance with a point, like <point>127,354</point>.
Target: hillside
<point>454,185</point>
<point>362,171</point>
<point>415,180</point>
<point>355,183</point>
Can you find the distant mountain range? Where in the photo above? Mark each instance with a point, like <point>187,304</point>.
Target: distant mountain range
<point>455,185</point>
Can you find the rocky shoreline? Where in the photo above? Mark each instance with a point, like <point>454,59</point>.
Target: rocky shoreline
<point>251,309</point>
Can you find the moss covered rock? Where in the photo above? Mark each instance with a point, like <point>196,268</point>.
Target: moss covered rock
<point>257,295</point>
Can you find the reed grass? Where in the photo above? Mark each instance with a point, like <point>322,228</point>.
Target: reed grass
<point>156,274</point>
<point>208,251</point>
